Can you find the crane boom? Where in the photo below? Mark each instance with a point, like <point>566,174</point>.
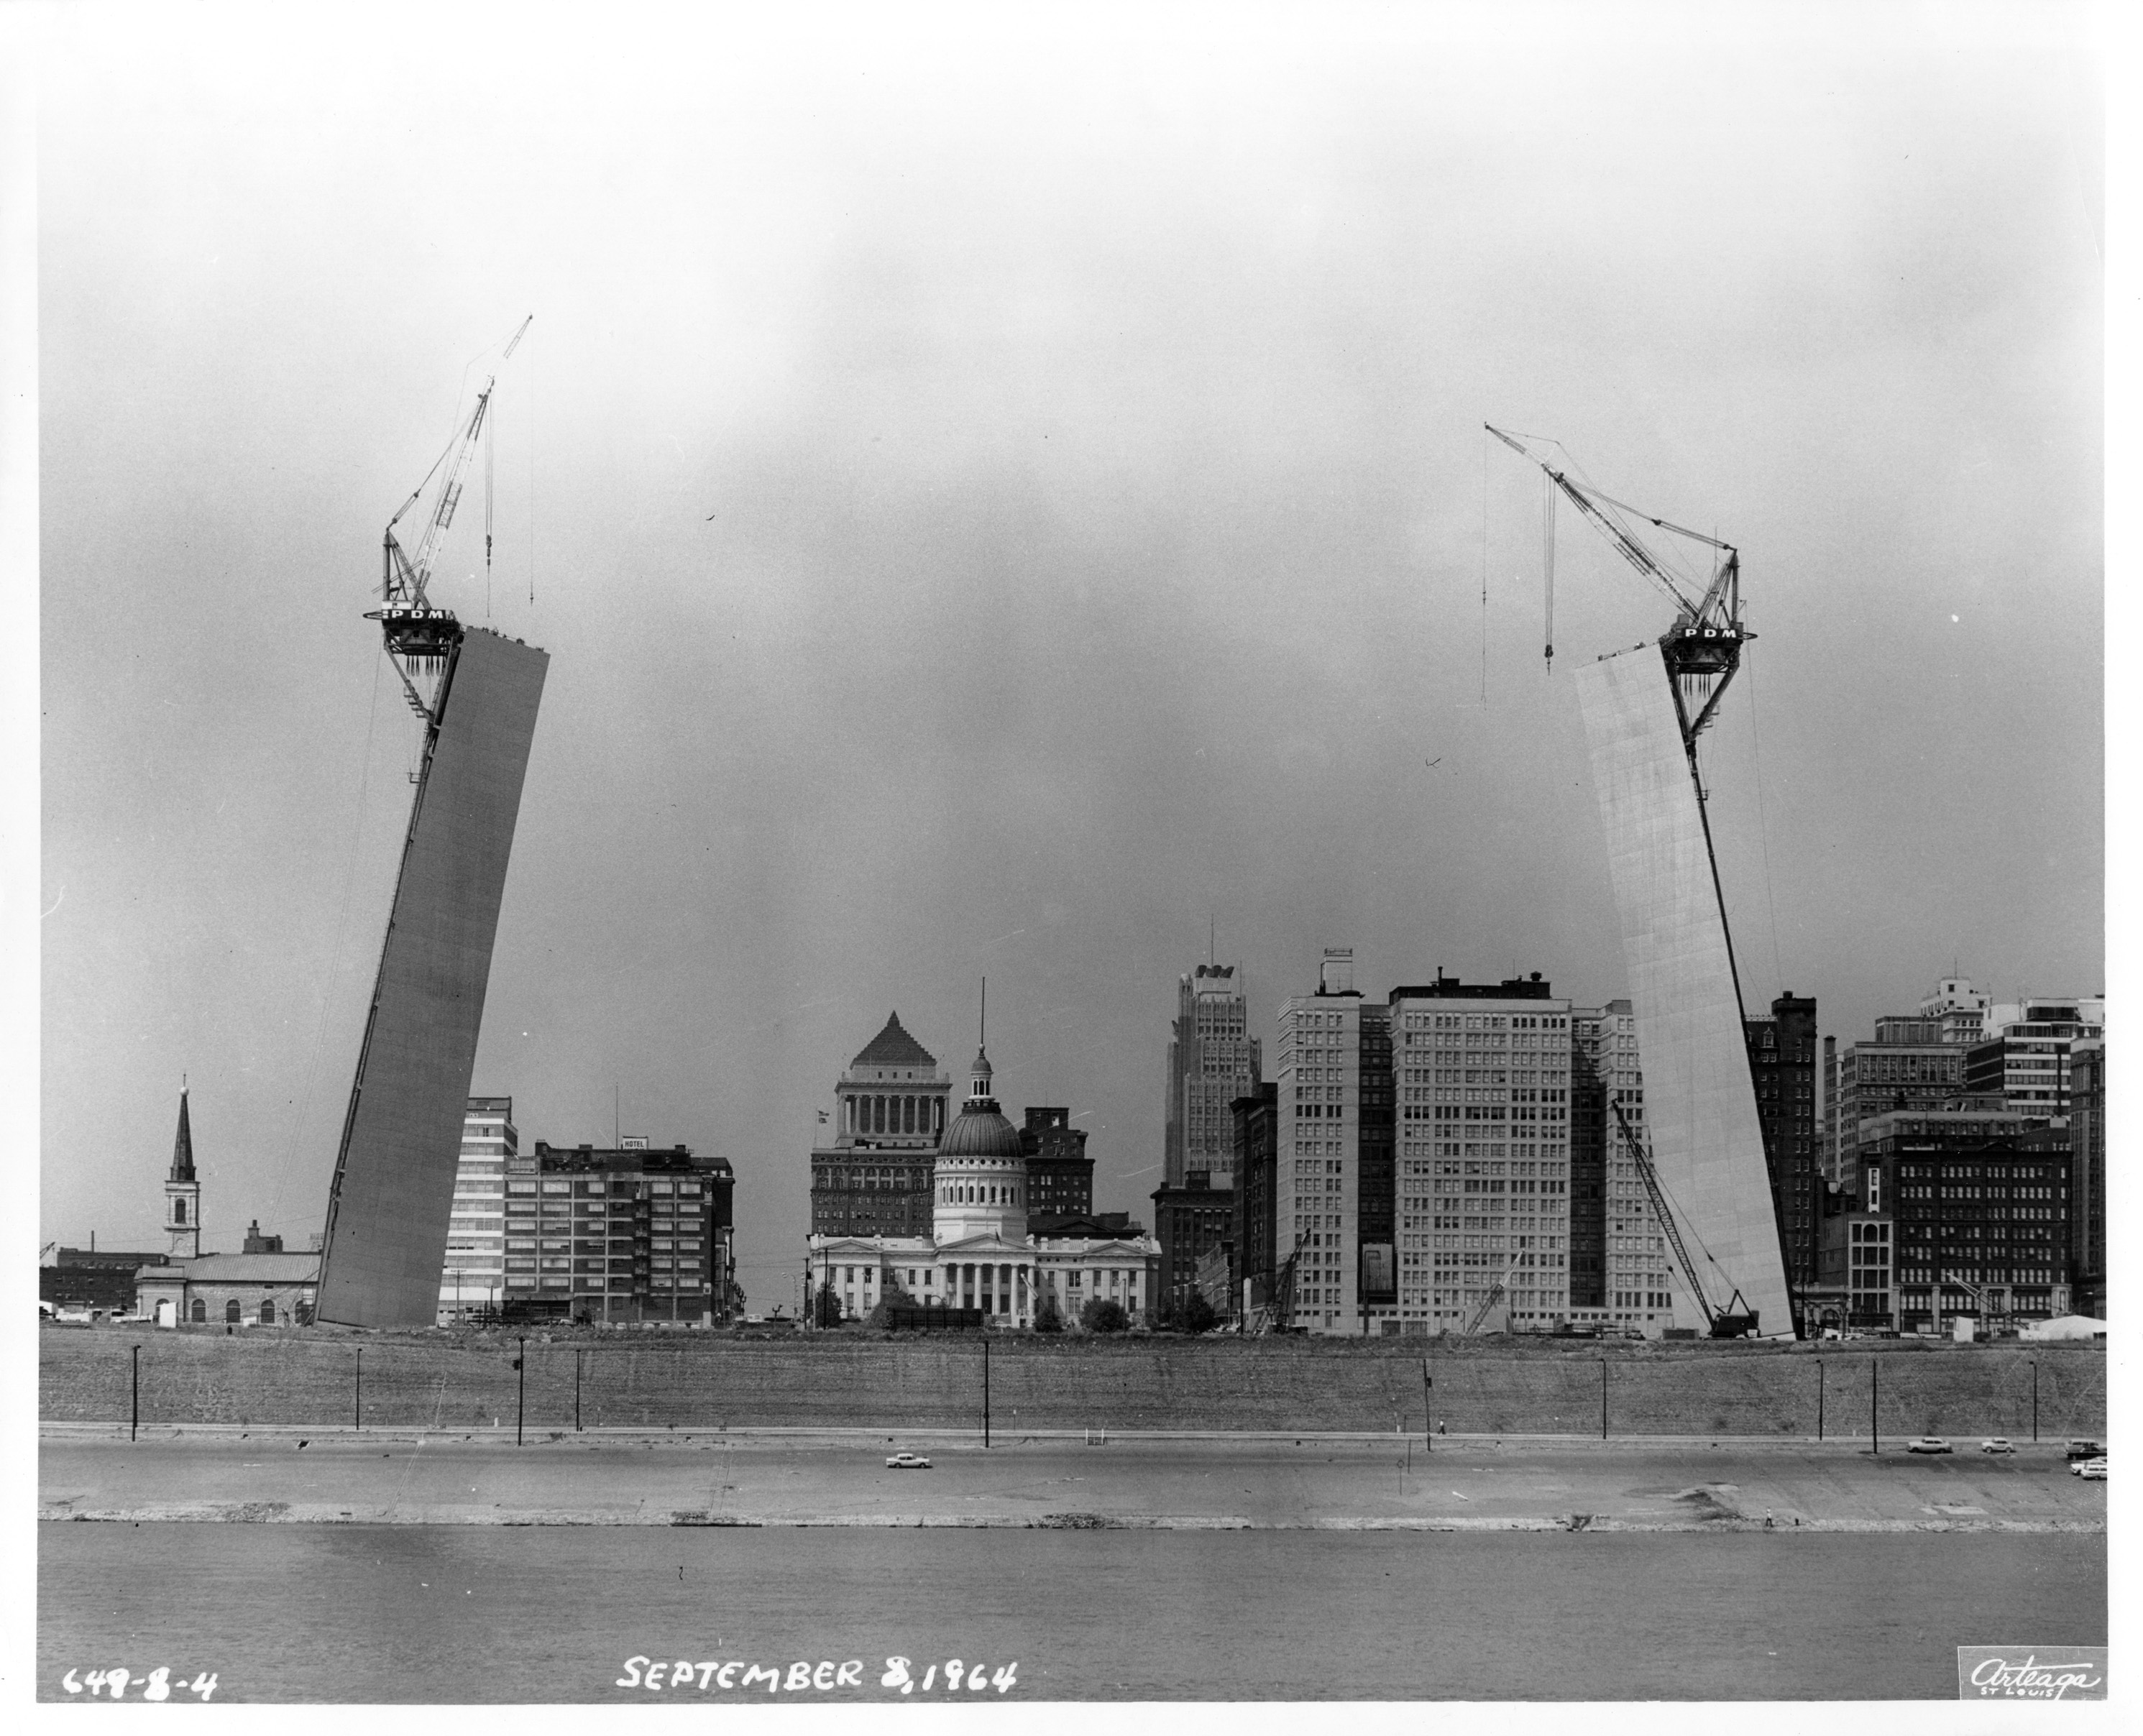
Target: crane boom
<point>1723,1323</point>
<point>1703,647</point>
<point>1488,1301</point>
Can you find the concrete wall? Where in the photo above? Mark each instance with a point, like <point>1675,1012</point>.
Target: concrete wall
<point>203,1376</point>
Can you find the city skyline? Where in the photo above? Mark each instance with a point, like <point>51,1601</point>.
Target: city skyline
<point>959,562</point>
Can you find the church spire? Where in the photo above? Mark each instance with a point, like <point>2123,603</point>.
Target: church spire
<point>182,1148</point>
<point>978,1084</point>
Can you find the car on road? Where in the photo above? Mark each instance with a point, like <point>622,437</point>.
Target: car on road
<point>2086,1450</point>
<point>907,1461</point>
<point>1927,1443</point>
<point>2091,1470</point>
<point>1997,1445</point>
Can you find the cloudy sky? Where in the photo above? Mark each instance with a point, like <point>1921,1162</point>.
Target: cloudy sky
<point>1001,494</point>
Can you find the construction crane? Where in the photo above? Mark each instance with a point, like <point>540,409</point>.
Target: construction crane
<point>1495,1291</point>
<point>1975,1291</point>
<point>1279,1314</point>
<point>420,638</point>
<point>1737,1319</point>
<point>1703,647</point>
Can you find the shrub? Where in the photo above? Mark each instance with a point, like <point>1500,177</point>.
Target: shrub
<point>1047,1317</point>
<point>1102,1315</point>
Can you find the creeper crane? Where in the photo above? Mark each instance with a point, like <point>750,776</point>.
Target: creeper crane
<point>419,637</point>
<point>1703,647</point>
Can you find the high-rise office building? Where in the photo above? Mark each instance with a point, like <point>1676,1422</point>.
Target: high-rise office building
<point>1256,1194</point>
<point>2088,1175</point>
<point>474,1275</point>
<point>874,1178</point>
<point>1482,1074</point>
<point>1317,1215</point>
<point>1212,1060</point>
<point>1782,1059</point>
<point>1604,1074</point>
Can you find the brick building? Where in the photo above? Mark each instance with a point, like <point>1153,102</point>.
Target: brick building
<point>1060,1175</point>
<point>1782,1059</point>
<point>1257,1188</point>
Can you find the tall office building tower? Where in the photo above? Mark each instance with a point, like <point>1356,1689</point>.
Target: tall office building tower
<point>1060,1175</point>
<point>1603,1072</point>
<point>1482,1074</point>
<point>1911,1064</point>
<point>2088,1175</point>
<point>474,1275</point>
<point>874,1178</point>
<point>1317,1211</point>
<point>1212,1060</point>
<point>1782,1057</point>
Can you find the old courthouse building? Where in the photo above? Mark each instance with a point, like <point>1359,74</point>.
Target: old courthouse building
<point>975,1249</point>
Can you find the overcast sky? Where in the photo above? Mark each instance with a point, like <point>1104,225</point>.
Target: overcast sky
<point>999,496</point>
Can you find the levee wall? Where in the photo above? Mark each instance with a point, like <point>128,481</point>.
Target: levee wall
<point>295,1379</point>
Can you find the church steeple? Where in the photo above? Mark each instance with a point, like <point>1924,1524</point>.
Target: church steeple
<point>182,1148</point>
<point>182,1189</point>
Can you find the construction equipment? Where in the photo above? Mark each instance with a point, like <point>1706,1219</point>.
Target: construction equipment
<point>1495,1290</point>
<point>1278,1314</point>
<point>1703,647</point>
<point>1737,1319</point>
<point>419,637</point>
<point>1979,1296</point>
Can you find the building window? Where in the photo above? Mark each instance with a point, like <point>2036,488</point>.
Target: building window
<point>267,1313</point>
<point>232,1313</point>
<point>198,1312</point>
<point>178,1211</point>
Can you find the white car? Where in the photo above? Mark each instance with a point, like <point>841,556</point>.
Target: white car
<point>2092,1470</point>
<point>1997,1445</point>
<point>1927,1443</point>
<point>907,1461</point>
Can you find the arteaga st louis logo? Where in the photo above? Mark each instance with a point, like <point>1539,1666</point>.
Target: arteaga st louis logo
<point>2030,1672</point>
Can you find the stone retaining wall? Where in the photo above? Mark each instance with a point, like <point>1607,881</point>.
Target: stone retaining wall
<point>841,1382</point>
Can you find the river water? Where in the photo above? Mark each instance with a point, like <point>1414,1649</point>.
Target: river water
<point>371,1614</point>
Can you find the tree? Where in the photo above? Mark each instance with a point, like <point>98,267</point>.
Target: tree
<point>826,1307</point>
<point>1102,1315</point>
<point>1047,1316</point>
<point>892,1294</point>
<point>1194,1313</point>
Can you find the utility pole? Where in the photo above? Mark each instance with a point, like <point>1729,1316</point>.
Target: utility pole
<point>1874,1386</point>
<point>1603,1398</point>
<point>2035,1402</point>
<point>358,1421</point>
<point>986,1389</point>
<point>1819,1398</point>
<point>577,1391</point>
<point>1428,1421</point>
<point>134,1429</point>
<point>521,1389</point>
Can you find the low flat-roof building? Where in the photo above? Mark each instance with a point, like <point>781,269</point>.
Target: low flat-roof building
<point>230,1289</point>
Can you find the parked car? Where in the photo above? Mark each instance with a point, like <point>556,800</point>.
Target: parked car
<point>907,1461</point>
<point>1997,1445</point>
<point>2086,1450</point>
<point>1927,1443</point>
<point>2091,1470</point>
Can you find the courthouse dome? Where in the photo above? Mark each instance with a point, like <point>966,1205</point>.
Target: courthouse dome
<point>980,1129</point>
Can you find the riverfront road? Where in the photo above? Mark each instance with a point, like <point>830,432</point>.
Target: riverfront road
<point>1307,1481</point>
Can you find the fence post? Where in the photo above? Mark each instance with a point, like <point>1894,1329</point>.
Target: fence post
<point>520,1388</point>
<point>1819,1398</point>
<point>2035,1402</point>
<point>1603,1398</point>
<point>134,1428</point>
<point>1874,1386</point>
<point>577,1390</point>
<point>1428,1421</point>
<point>986,1389</point>
<point>358,1421</point>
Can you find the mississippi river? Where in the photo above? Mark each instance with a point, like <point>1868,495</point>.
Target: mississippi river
<point>445,1613</point>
